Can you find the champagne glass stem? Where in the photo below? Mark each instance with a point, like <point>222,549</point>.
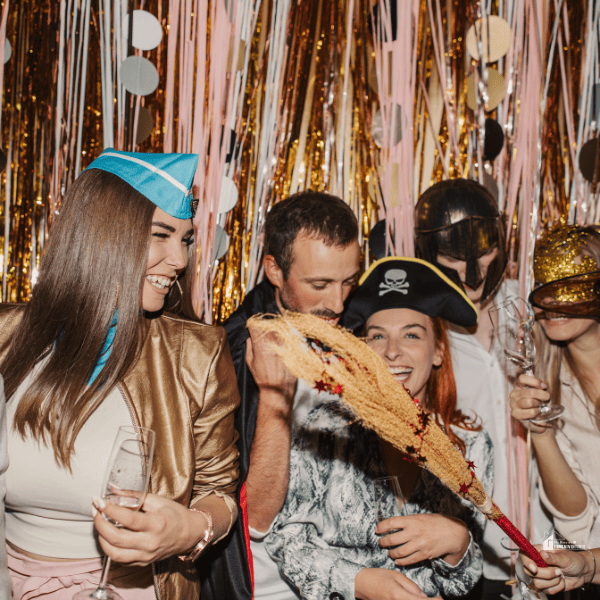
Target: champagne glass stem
<point>100,593</point>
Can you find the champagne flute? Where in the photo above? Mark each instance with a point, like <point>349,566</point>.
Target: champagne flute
<point>125,483</point>
<point>388,499</point>
<point>515,334</point>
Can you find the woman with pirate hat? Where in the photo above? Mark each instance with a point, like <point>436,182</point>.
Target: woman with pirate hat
<point>326,539</point>
<point>567,305</point>
<point>109,339</point>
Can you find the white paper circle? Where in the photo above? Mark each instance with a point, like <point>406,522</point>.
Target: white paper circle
<point>147,32</point>
<point>228,195</point>
<point>221,243</point>
<point>377,127</point>
<point>138,75</point>
<point>7,51</point>
<point>499,38</point>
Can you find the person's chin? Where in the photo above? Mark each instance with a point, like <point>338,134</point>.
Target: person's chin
<point>473,295</point>
<point>154,305</point>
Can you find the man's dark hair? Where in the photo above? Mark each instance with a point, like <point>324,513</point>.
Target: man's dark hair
<point>317,214</point>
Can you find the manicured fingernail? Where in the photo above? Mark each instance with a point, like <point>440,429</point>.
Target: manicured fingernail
<point>94,511</point>
<point>98,503</point>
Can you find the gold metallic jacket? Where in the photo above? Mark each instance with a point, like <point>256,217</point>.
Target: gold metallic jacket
<point>183,386</point>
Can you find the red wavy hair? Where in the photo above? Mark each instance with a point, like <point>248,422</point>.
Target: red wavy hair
<point>441,389</point>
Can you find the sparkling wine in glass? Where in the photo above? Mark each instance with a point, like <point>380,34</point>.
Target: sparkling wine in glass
<point>514,331</point>
<point>125,483</point>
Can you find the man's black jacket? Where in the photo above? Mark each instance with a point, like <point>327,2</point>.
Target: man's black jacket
<point>224,569</point>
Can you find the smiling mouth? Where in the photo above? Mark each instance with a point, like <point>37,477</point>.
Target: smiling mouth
<point>557,319</point>
<point>159,282</point>
<point>401,374</point>
<point>329,320</point>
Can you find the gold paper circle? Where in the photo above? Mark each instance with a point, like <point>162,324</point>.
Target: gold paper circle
<point>496,45</point>
<point>496,90</point>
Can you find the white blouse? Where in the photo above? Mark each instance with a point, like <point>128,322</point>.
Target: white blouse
<point>578,438</point>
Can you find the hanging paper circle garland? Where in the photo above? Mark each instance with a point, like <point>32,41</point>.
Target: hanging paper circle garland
<point>595,112</point>
<point>221,243</point>
<point>377,239</point>
<point>587,160</point>
<point>374,16</point>
<point>494,33</point>
<point>228,196</point>
<point>144,126</point>
<point>147,31</point>
<point>395,122</point>
<point>489,183</point>
<point>494,139</point>
<point>496,90</point>
<point>138,75</point>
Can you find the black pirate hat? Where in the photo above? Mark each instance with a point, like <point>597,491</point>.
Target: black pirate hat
<point>401,282</point>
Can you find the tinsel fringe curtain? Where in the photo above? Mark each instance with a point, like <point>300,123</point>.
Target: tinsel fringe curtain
<point>370,101</point>
<point>301,95</point>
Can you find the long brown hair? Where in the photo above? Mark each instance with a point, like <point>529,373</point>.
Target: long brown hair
<point>94,265</point>
<point>441,389</point>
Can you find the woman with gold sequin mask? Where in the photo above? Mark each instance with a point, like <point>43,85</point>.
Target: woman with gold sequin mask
<point>567,271</point>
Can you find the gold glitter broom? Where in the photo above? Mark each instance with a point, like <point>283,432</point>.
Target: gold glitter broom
<point>338,361</point>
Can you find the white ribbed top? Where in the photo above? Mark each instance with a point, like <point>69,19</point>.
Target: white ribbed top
<point>48,509</point>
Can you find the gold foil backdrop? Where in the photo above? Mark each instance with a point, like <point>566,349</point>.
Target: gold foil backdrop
<point>304,117</point>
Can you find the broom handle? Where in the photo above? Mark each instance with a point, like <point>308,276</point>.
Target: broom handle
<point>520,540</point>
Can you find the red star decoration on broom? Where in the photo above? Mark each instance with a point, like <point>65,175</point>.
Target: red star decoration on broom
<point>321,386</point>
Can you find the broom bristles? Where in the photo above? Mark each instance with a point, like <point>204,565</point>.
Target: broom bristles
<point>366,385</point>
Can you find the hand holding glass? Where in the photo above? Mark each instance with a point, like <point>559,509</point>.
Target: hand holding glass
<point>125,483</point>
<point>514,332</point>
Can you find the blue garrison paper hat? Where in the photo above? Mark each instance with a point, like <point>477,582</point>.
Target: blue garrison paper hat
<point>165,179</point>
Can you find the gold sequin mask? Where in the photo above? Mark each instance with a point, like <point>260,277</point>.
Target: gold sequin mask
<point>568,274</point>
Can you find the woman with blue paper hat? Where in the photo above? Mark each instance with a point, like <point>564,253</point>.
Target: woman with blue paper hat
<point>109,339</point>
<point>327,540</point>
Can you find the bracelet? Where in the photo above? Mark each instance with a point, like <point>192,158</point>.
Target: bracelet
<point>594,571</point>
<point>194,552</point>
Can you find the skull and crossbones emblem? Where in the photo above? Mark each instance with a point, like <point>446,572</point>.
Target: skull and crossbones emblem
<point>394,281</point>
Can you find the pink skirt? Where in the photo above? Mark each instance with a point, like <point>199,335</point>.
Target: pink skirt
<point>60,580</point>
